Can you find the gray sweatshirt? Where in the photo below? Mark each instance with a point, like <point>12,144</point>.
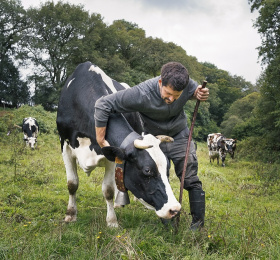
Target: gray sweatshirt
<point>159,118</point>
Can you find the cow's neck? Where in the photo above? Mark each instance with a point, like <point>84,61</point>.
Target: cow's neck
<point>118,130</point>
<point>129,139</point>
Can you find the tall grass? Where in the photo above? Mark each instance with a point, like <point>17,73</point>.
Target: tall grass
<point>242,210</point>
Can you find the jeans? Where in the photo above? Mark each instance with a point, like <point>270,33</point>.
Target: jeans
<point>176,151</point>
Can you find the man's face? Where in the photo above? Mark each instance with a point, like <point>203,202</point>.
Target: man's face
<point>168,94</point>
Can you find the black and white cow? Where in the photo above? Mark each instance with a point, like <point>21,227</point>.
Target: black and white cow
<point>212,140</point>
<point>30,129</point>
<point>219,146</point>
<point>231,146</point>
<point>145,166</point>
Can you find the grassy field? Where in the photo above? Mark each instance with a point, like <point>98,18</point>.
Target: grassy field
<point>242,209</point>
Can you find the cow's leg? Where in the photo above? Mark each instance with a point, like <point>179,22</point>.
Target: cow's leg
<point>25,138</point>
<point>223,160</point>
<point>72,182</point>
<point>109,190</point>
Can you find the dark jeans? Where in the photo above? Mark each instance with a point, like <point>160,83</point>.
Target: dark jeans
<point>176,151</point>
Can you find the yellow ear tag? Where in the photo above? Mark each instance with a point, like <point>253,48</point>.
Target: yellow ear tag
<point>118,160</point>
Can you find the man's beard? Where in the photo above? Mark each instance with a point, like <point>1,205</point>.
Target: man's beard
<point>167,101</point>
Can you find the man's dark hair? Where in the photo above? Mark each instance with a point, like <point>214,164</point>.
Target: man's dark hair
<point>174,75</point>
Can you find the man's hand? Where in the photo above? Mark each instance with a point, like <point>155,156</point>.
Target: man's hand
<point>201,94</point>
<point>100,136</point>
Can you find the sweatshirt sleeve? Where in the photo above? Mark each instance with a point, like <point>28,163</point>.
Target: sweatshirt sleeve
<point>192,85</point>
<point>127,100</point>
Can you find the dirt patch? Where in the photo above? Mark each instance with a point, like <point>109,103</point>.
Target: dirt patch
<point>3,113</point>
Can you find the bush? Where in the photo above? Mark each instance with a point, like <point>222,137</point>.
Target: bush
<point>45,119</point>
<point>257,148</point>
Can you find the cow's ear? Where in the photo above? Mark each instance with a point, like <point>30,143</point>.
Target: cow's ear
<point>111,152</point>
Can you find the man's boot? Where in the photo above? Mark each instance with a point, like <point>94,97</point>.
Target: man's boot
<point>197,206</point>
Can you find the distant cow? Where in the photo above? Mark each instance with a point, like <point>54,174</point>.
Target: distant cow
<point>30,129</point>
<point>231,146</point>
<point>219,146</point>
<point>141,161</point>
<point>212,141</point>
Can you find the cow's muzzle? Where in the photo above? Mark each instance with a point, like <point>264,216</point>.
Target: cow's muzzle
<point>173,213</point>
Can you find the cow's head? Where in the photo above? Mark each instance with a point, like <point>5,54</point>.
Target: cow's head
<point>30,141</point>
<point>145,174</point>
<point>231,146</point>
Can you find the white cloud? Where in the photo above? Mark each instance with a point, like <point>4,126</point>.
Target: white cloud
<point>216,31</point>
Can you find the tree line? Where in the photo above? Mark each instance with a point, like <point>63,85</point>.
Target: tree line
<point>48,42</point>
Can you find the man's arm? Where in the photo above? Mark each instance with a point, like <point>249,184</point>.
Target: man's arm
<point>100,136</point>
<point>120,102</point>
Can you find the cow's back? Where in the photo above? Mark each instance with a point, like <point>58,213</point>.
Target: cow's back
<point>75,115</point>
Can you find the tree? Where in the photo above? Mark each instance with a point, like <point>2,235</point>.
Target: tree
<point>95,46</point>
<point>268,25</point>
<point>224,91</point>
<point>53,36</point>
<point>125,39</point>
<point>13,90</point>
<point>241,119</point>
<point>156,52</point>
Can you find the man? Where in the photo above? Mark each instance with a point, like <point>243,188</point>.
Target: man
<point>160,102</point>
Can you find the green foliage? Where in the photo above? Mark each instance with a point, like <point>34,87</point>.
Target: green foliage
<point>13,91</point>
<point>203,123</point>
<point>11,118</point>
<point>224,90</point>
<point>59,36</point>
<point>268,24</point>
<point>52,37</point>
<point>45,119</point>
<point>55,37</point>
<point>241,119</point>
<point>256,148</point>
<point>12,22</point>
<point>248,128</point>
<point>120,49</point>
<point>244,107</point>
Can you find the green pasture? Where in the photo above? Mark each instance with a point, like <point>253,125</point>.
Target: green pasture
<point>242,208</point>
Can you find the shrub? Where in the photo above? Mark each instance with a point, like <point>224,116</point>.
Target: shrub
<point>45,119</point>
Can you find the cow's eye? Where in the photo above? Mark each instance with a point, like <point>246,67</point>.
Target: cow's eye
<point>147,171</point>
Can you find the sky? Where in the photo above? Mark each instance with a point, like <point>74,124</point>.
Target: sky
<point>217,31</point>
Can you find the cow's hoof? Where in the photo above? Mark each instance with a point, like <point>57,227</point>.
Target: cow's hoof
<point>116,205</point>
<point>69,219</point>
<point>113,225</point>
